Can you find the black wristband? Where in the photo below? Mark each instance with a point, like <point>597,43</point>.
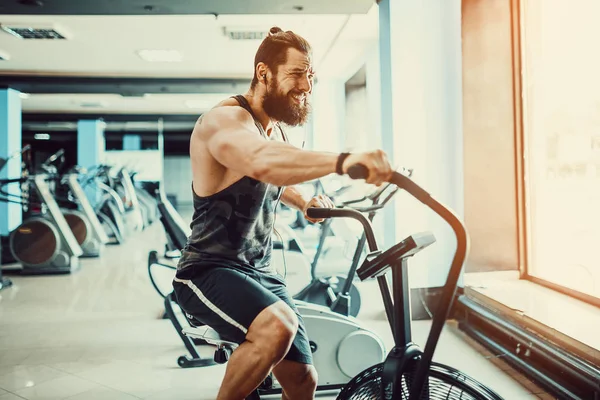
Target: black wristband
<point>340,163</point>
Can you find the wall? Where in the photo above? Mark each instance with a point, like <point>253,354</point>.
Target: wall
<point>357,135</point>
<point>178,179</point>
<point>148,164</point>
<point>328,115</point>
<point>427,114</point>
<point>489,152</point>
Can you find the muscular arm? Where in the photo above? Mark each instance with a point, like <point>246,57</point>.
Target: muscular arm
<point>231,140</point>
<point>294,198</point>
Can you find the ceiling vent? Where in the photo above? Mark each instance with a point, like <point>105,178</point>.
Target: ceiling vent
<point>43,32</point>
<point>244,34</point>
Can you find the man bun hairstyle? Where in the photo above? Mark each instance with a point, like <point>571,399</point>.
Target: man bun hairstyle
<point>273,49</point>
<point>275,30</point>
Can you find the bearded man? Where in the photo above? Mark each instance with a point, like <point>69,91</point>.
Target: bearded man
<point>242,166</point>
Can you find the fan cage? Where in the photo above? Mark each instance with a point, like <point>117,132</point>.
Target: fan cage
<point>443,383</point>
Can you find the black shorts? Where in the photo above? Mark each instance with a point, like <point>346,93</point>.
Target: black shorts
<point>229,299</point>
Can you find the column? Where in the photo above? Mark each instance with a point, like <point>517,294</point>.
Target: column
<point>10,143</point>
<point>385,108</point>
<point>329,105</point>
<point>426,61</point>
<point>90,150</point>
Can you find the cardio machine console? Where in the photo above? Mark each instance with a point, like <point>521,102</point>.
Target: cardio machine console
<point>377,263</point>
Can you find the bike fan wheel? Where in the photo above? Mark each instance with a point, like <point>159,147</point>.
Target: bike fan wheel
<point>444,383</point>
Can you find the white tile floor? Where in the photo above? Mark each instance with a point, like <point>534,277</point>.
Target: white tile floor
<point>96,334</point>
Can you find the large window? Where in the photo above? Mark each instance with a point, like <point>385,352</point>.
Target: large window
<point>561,64</point>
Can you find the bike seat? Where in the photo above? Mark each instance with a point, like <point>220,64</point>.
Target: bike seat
<point>209,335</point>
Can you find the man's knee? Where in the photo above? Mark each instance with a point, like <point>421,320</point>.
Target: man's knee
<point>310,379</point>
<point>274,329</point>
<point>300,383</point>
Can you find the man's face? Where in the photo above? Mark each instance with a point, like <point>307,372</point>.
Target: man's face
<point>287,97</point>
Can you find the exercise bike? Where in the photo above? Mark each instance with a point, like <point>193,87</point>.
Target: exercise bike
<point>339,293</point>
<point>407,372</point>
<point>335,339</point>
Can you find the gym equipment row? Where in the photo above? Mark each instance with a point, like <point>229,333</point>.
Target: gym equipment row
<point>60,224</point>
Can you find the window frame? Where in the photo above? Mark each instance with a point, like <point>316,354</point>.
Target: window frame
<point>523,200</point>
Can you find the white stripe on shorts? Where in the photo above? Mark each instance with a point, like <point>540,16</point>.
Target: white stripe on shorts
<point>210,305</point>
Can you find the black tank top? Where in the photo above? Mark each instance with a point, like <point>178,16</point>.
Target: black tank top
<point>233,227</point>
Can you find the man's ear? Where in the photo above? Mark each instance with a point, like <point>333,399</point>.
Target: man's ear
<point>262,72</point>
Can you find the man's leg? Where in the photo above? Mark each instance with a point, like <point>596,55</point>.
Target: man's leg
<point>268,340</point>
<point>299,381</point>
<point>241,310</point>
<point>296,374</point>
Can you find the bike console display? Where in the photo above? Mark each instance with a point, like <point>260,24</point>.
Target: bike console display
<point>373,268</point>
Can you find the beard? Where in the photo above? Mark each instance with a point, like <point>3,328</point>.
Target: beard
<point>283,108</point>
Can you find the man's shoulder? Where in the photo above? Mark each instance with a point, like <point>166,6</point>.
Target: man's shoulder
<point>228,109</point>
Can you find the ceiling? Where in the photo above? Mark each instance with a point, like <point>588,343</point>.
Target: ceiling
<point>108,45</point>
<point>146,7</point>
<point>97,68</point>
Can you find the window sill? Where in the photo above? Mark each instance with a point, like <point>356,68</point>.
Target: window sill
<point>571,323</point>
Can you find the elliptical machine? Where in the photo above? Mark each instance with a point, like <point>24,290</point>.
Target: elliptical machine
<point>134,216</point>
<point>110,209</point>
<point>43,243</point>
<point>76,207</point>
<point>5,282</point>
<point>147,202</point>
<point>83,220</point>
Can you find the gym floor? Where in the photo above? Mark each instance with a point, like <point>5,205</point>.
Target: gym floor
<point>97,334</point>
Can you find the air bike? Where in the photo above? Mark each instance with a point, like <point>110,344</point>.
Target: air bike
<point>408,372</point>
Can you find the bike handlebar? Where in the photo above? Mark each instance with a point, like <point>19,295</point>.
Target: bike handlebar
<point>54,157</point>
<point>359,171</point>
<point>4,161</point>
<point>318,213</point>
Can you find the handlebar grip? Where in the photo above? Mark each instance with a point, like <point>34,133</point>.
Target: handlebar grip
<point>318,212</point>
<point>54,157</point>
<point>358,171</point>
